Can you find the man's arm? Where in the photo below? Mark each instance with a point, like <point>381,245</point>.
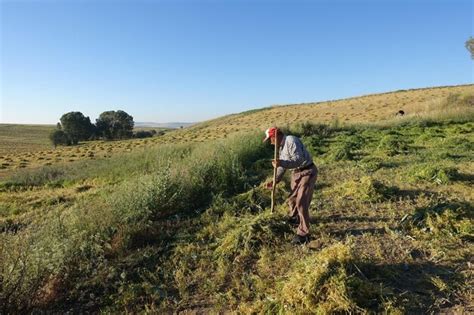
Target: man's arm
<point>280,173</point>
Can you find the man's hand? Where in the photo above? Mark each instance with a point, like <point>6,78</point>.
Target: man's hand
<point>269,185</point>
<point>275,163</point>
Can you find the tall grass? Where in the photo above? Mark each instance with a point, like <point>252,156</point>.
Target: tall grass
<point>72,242</point>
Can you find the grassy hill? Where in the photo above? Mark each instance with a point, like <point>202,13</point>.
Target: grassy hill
<point>28,147</point>
<point>182,224</point>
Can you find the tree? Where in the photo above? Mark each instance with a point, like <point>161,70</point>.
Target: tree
<point>76,126</point>
<point>470,46</point>
<point>59,137</point>
<point>115,125</point>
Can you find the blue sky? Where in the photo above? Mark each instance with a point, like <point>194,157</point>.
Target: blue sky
<point>194,60</point>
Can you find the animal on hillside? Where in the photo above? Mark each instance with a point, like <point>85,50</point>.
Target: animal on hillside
<point>400,113</point>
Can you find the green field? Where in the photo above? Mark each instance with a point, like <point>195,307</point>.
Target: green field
<point>186,226</point>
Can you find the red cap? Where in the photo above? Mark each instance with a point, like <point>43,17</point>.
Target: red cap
<point>270,132</point>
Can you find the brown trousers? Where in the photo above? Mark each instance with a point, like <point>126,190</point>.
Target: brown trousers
<point>302,187</point>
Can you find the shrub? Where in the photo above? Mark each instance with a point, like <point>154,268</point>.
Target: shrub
<point>59,137</point>
<point>29,259</point>
<point>315,144</point>
<point>144,134</point>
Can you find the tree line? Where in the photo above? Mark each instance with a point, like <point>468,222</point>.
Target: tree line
<point>111,125</point>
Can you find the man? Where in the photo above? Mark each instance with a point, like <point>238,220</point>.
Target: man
<point>293,155</point>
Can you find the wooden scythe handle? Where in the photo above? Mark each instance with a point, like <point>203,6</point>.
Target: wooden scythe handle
<point>274,172</point>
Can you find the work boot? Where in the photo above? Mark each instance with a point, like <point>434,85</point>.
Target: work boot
<point>298,239</point>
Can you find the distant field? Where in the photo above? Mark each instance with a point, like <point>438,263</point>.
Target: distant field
<point>24,138</point>
<point>28,146</point>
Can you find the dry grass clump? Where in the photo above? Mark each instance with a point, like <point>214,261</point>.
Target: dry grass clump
<point>445,219</point>
<point>329,282</point>
<point>341,152</point>
<point>318,283</point>
<point>393,145</point>
<point>243,236</point>
<point>437,173</point>
<point>365,189</point>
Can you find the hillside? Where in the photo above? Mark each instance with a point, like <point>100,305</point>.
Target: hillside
<point>377,108</point>
<point>181,223</point>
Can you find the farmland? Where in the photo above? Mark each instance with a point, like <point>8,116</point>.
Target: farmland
<point>35,151</point>
<point>180,222</point>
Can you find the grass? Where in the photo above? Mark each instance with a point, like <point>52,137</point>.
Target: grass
<point>186,227</point>
<point>422,106</point>
<point>24,138</point>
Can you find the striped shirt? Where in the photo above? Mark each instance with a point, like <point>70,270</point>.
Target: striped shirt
<point>293,155</point>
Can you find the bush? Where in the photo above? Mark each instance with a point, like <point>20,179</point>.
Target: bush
<point>315,144</point>
<point>59,137</point>
<point>144,134</point>
<point>346,145</point>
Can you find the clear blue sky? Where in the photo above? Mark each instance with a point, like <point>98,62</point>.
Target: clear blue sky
<point>194,60</point>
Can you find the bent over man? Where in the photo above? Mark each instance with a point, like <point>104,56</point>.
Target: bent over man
<point>293,155</point>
